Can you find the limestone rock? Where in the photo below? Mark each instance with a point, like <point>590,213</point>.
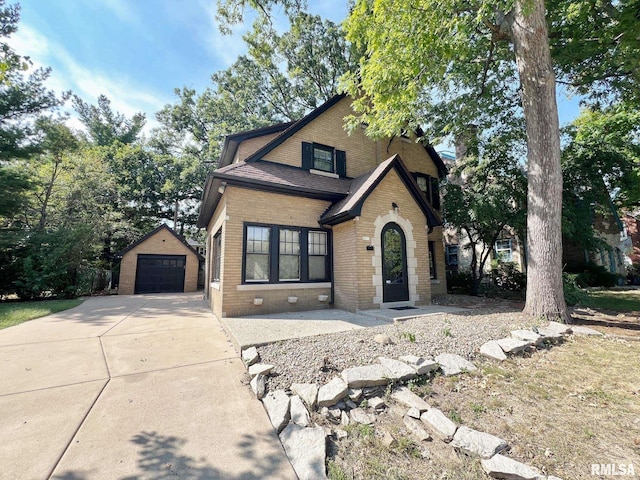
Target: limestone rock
<point>492,350</point>
<point>421,365</point>
<point>382,339</point>
<point>340,434</point>
<point>299,413</point>
<point>408,398</point>
<point>549,335</point>
<point>511,345</point>
<point>258,386</point>
<point>481,444</point>
<point>332,392</point>
<point>250,356</point>
<point>277,405</point>
<point>344,418</point>
<point>527,336</point>
<point>335,413</point>
<point>559,328</point>
<point>398,370</point>
<point>507,468</point>
<point>387,439</point>
<point>415,427</point>
<point>260,368</point>
<point>306,449</point>
<point>585,331</point>
<point>367,376</point>
<point>376,403</point>
<point>350,404</point>
<point>439,424</point>
<point>308,392</point>
<point>355,394</point>
<point>452,364</point>
<point>413,413</point>
<point>358,415</point>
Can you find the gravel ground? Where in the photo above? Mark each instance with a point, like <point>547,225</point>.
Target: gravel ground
<point>318,359</point>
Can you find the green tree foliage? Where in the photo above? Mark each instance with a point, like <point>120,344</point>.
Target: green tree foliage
<point>105,127</point>
<point>601,167</point>
<point>487,195</point>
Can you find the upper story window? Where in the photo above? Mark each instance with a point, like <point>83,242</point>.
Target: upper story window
<point>451,257</point>
<point>324,158</point>
<point>430,187</point>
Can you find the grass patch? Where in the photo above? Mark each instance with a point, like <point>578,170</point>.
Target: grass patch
<point>616,300</point>
<point>14,313</point>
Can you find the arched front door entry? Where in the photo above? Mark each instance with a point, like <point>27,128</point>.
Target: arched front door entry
<point>395,285</point>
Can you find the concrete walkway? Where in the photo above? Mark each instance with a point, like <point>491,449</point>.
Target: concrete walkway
<point>130,387</point>
<point>258,330</point>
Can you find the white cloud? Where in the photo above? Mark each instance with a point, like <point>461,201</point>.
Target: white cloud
<point>68,74</point>
<point>225,48</point>
<point>120,8</point>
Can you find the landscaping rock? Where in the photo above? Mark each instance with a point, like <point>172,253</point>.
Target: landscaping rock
<point>511,345</point>
<point>408,398</point>
<point>260,368</point>
<point>332,392</point>
<point>382,339</point>
<point>507,468</point>
<point>344,418</point>
<point>387,439</point>
<point>527,336</point>
<point>492,350</point>
<point>308,392</point>
<point>340,434</point>
<point>585,331</point>
<point>413,413</point>
<point>415,427</point>
<point>559,328</point>
<point>367,376</point>
<point>422,366</point>
<point>481,444</point>
<point>398,371</point>
<point>277,405</point>
<point>335,413</point>
<point>549,335</point>
<point>358,415</point>
<point>306,449</point>
<point>298,412</point>
<point>439,424</point>
<point>258,386</point>
<point>350,404</point>
<point>452,364</point>
<point>377,403</point>
<point>355,394</point>
<point>250,356</point>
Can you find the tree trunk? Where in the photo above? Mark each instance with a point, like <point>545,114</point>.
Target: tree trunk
<point>545,297</point>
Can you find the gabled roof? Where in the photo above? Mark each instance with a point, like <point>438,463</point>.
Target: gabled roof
<point>295,127</point>
<point>265,175</point>
<point>151,234</point>
<point>362,186</point>
<point>232,141</point>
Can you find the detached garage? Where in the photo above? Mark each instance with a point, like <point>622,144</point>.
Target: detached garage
<point>160,262</point>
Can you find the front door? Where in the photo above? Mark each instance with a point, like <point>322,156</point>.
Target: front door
<point>395,287</point>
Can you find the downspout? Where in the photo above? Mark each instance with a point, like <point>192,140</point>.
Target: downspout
<point>330,234</point>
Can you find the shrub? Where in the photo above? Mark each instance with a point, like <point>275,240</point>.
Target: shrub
<point>507,277</point>
<point>596,276</point>
<point>459,282</point>
<point>573,294</point>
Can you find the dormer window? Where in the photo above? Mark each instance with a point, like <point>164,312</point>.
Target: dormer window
<point>429,186</point>
<point>323,158</point>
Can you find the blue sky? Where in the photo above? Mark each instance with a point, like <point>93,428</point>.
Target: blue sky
<point>138,51</point>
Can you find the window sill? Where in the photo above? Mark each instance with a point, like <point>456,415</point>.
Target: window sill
<point>281,286</point>
<point>215,285</point>
<point>323,173</point>
<point>435,280</point>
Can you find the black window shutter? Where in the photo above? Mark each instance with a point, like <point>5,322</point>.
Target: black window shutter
<point>435,193</point>
<point>341,163</point>
<point>307,155</point>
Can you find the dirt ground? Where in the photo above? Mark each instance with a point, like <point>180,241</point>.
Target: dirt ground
<point>560,409</point>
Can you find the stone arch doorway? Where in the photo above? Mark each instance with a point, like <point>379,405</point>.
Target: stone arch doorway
<point>395,281</point>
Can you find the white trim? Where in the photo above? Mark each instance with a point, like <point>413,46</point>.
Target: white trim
<point>282,286</point>
<point>434,280</point>
<point>215,285</point>
<point>323,173</point>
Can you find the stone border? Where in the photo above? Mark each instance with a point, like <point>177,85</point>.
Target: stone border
<point>305,445</point>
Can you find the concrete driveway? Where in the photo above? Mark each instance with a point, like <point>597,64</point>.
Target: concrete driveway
<point>130,387</point>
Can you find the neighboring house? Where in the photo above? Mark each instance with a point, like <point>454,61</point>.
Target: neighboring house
<point>160,262</point>
<point>304,216</point>
<point>632,224</point>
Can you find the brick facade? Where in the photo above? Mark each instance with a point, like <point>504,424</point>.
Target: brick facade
<point>357,278</point>
<point>162,242</point>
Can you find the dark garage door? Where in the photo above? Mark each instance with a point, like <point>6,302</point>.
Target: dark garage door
<point>160,273</point>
